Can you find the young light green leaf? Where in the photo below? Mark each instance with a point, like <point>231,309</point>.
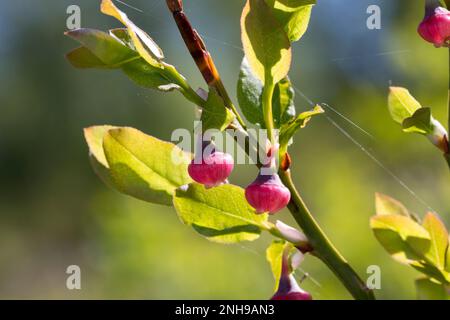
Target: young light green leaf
<point>103,46</point>
<point>221,214</point>
<point>82,58</point>
<point>113,51</point>
<point>386,205</point>
<point>428,289</point>
<point>294,16</point>
<point>419,122</point>
<point>249,93</point>
<point>402,104</point>
<point>144,45</point>
<point>94,139</point>
<point>288,130</point>
<point>429,269</point>
<point>265,42</point>
<point>148,76</point>
<point>283,102</point>
<point>274,255</point>
<point>145,167</point>
<point>402,237</point>
<point>122,35</point>
<point>439,240</point>
<point>447,259</point>
<point>214,113</point>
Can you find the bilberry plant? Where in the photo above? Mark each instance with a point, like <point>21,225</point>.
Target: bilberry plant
<point>197,185</point>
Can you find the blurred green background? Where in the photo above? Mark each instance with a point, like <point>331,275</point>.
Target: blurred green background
<point>54,212</point>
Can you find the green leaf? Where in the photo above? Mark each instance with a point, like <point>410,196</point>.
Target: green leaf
<point>249,93</point>
<point>145,167</point>
<point>102,45</point>
<point>265,42</point>
<point>294,16</point>
<point>283,102</point>
<point>214,113</point>
<point>439,240</point>
<point>429,269</point>
<point>274,255</point>
<point>419,122</point>
<point>145,75</point>
<point>402,237</point>
<point>144,45</point>
<point>427,289</point>
<point>220,214</point>
<point>288,130</point>
<point>123,36</point>
<point>114,50</point>
<point>386,205</point>
<point>402,104</point>
<point>447,259</point>
<point>94,139</point>
<point>83,58</point>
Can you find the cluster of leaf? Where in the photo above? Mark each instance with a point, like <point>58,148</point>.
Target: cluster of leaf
<point>155,171</point>
<point>269,27</point>
<point>415,118</point>
<point>422,245</point>
<point>145,167</point>
<point>134,52</point>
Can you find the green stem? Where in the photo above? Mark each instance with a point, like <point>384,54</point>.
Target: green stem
<point>267,96</point>
<point>322,247</point>
<point>186,89</point>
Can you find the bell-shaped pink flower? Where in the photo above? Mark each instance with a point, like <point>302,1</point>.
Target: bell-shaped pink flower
<point>267,194</point>
<point>211,168</point>
<point>435,27</point>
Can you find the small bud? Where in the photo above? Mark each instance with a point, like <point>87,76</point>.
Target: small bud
<point>435,27</point>
<point>267,194</point>
<point>439,136</point>
<point>289,233</point>
<point>211,169</point>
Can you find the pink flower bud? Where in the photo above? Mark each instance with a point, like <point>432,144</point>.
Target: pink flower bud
<point>435,27</point>
<point>288,289</point>
<point>267,194</point>
<point>211,169</point>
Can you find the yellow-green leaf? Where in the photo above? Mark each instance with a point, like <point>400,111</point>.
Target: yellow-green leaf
<point>94,139</point>
<point>420,122</point>
<point>402,237</point>
<point>102,45</point>
<point>274,255</point>
<point>439,239</point>
<point>220,214</point>
<point>402,104</point>
<point>83,58</point>
<point>145,167</point>
<point>144,45</point>
<point>214,113</point>
<point>288,130</point>
<point>294,15</point>
<point>266,44</point>
<point>385,205</point>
